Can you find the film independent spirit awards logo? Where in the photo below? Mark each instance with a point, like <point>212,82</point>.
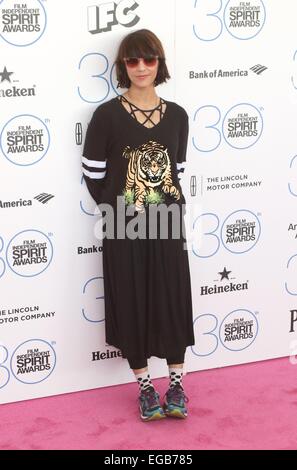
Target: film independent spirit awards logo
<point>243,126</point>
<point>29,253</point>
<point>25,140</point>
<point>244,19</point>
<point>239,330</point>
<point>33,361</point>
<point>22,23</point>
<point>241,231</point>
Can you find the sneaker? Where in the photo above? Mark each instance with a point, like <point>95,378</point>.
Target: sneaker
<point>174,402</point>
<point>149,405</point>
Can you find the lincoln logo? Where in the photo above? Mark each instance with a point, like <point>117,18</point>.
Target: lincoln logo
<point>78,133</point>
<point>193,185</point>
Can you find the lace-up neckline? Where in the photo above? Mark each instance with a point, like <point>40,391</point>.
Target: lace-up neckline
<point>148,113</point>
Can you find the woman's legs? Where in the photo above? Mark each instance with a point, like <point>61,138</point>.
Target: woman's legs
<point>175,366</point>
<point>177,360</point>
<point>174,404</point>
<point>175,398</point>
<point>140,369</point>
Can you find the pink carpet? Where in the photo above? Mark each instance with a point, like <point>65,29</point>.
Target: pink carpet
<point>252,406</point>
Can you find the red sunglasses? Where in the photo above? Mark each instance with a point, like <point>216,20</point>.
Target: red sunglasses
<point>132,62</point>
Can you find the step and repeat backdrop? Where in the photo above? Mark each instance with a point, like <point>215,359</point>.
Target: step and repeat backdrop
<point>234,69</point>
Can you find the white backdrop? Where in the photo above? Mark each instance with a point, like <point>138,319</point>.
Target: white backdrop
<point>233,69</point>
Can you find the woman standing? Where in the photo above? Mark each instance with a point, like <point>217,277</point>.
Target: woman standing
<point>134,150</point>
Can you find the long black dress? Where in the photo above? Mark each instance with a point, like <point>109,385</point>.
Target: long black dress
<point>147,288</point>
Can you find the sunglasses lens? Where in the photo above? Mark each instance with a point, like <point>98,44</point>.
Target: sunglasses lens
<point>150,61</point>
<point>134,61</point>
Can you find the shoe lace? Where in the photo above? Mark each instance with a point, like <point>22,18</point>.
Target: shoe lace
<point>176,394</point>
<point>150,395</point>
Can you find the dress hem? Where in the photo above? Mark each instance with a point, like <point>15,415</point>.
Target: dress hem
<point>151,354</point>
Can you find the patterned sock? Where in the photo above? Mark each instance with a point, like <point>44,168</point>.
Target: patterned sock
<point>144,381</point>
<point>176,376</point>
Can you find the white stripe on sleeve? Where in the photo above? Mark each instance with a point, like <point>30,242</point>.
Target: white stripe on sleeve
<point>94,163</point>
<point>94,175</point>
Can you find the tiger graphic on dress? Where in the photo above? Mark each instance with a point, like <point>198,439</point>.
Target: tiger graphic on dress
<point>149,169</point>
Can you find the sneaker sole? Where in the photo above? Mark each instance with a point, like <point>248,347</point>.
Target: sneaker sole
<point>176,413</point>
<point>154,417</point>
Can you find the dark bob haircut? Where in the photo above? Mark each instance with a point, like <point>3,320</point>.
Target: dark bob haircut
<point>141,43</point>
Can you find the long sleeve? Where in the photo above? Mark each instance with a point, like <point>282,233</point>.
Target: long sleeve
<point>183,144</point>
<point>94,158</point>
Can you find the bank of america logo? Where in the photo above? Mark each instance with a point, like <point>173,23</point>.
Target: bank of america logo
<point>258,69</point>
<point>44,197</point>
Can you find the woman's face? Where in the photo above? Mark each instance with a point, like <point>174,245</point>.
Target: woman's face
<point>143,74</point>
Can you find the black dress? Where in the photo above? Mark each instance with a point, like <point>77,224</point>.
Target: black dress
<point>147,288</point>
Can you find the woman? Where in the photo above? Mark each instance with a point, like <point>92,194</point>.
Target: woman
<point>135,148</point>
